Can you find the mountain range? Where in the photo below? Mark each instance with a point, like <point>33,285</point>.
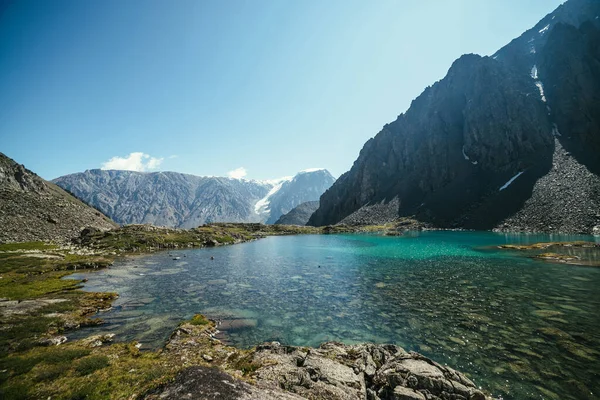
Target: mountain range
<point>508,142</point>
<point>185,201</point>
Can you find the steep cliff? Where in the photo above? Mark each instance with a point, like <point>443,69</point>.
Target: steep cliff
<point>462,138</point>
<point>470,149</point>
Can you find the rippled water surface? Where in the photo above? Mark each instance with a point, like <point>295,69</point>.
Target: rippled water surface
<point>522,328</point>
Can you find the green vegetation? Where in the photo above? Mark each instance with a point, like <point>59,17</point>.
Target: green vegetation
<point>545,245</point>
<point>579,253</point>
<point>39,304</point>
<point>199,319</point>
<point>71,371</point>
<point>26,246</point>
<point>90,364</point>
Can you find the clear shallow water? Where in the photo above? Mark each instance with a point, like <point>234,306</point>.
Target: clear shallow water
<point>523,329</point>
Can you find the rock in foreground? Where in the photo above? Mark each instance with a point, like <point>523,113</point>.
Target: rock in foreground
<point>333,371</point>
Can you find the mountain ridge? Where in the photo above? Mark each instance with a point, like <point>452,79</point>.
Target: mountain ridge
<point>32,209</point>
<point>180,200</point>
<point>489,120</point>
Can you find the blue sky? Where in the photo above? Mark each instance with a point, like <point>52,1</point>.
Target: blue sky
<point>264,87</point>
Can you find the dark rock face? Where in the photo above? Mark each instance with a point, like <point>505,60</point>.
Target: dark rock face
<point>465,135</point>
<point>299,215</point>
<point>566,200</point>
<point>448,160</point>
<point>570,70</point>
<point>203,383</point>
<point>32,209</point>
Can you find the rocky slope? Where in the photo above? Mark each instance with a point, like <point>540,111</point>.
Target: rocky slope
<point>299,215</point>
<point>470,149</point>
<point>184,201</point>
<point>32,209</point>
<point>567,199</point>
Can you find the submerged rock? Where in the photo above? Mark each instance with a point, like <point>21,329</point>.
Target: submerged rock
<point>237,324</point>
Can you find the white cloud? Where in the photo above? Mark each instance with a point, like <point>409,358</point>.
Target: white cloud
<point>136,161</point>
<point>238,173</point>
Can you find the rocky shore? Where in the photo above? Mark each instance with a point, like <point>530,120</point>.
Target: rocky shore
<point>332,371</point>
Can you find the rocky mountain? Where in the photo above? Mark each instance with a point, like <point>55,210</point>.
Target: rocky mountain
<point>32,209</point>
<point>299,215</point>
<point>307,185</point>
<point>500,142</point>
<point>180,200</point>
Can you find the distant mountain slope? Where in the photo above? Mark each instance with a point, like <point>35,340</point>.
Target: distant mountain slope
<point>181,200</point>
<point>299,215</point>
<point>307,185</point>
<point>471,149</point>
<point>32,209</point>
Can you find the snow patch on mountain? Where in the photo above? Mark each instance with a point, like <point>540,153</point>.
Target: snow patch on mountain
<point>540,86</point>
<point>262,206</point>
<point>511,180</point>
<point>534,72</point>
<point>304,171</point>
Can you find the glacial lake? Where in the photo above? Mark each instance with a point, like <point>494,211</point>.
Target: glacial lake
<point>519,327</point>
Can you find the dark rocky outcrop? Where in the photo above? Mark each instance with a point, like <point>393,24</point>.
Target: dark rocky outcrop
<point>471,150</point>
<point>570,69</point>
<point>32,209</point>
<point>299,215</point>
<point>566,200</point>
<point>462,138</point>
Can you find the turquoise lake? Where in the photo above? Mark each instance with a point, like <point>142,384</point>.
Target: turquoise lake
<point>520,328</point>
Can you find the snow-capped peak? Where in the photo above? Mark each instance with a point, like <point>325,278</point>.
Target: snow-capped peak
<point>262,206</point>
<point>304,171</point>
<point>276,181</point>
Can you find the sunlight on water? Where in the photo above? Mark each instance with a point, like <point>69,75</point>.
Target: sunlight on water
<point>522,328</point>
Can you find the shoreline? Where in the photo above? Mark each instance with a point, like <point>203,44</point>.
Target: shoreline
<point>102,353</point>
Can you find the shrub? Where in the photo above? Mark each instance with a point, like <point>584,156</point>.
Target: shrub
<point>199,319</point>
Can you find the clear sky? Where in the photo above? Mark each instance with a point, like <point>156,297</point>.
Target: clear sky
<point>264,87</point>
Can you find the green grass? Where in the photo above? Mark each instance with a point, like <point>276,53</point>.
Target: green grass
<point>90,364</point>
<point>34,287</point>
<point>199,319</point>
<point>26,246</point>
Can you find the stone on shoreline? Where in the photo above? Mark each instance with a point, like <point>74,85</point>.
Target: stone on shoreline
<point>333,371</point>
